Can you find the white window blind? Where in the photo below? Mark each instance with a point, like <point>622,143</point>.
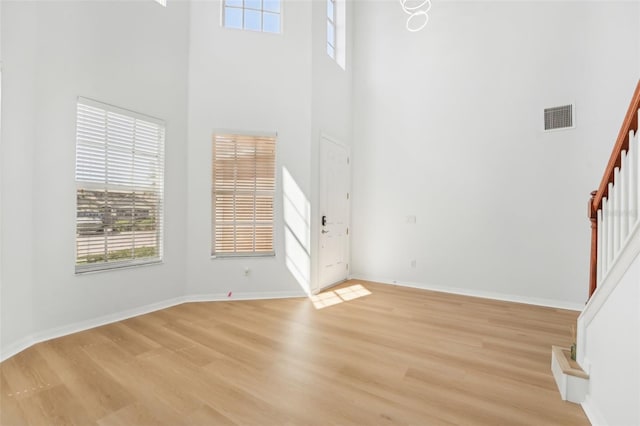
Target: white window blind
<point>119,187</point>
<point>243,186</point>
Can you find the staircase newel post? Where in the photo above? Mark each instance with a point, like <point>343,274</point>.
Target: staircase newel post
<point>593,272</point>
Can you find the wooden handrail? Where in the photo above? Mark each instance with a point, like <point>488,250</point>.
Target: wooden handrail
<point>622,144</point>
<point>595,203</point>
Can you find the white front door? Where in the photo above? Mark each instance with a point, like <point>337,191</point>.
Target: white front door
<point>334,212</point>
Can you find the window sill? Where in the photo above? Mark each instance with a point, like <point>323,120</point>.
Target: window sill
<point>243,256</point>
<point>83,270</point>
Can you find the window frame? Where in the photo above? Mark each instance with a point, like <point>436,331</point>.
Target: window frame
<point>244,135</point>
<point>261,10</point>
<point>100,182</point>
<point>338,25</point>
<point>331,22</point>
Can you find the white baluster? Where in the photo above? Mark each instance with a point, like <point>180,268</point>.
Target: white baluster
<point>615,214</point>
<point>636,147</point>
<point>601,256</point>
<point>632,157</point>
<point>606,235</point>
<point>623,192</point>
<point>610,226</point>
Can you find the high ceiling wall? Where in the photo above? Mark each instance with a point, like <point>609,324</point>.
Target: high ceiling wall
<point>448,131</point>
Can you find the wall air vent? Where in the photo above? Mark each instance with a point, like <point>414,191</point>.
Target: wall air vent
<point>558,118</point>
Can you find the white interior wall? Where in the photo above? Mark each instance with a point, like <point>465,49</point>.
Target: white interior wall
<point>447,128</point>
<point>247,81</point>
<point>129,54</point>
<point>331,85</point>
<point>1,175</point>
<point>16,157</point>
<point>331,104</point>
<point>613,351</point>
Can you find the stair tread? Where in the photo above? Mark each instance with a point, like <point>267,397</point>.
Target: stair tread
<point>568,366</point>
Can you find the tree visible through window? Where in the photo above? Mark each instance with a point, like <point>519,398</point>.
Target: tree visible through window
<point>243,186</point>
<point>255,15</point>
<point>119,187</point>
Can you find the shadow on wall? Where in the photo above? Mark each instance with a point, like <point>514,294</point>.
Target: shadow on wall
<point>297,231</point>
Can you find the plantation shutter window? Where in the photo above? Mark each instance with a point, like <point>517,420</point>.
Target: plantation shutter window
<point>119,187</point>
<point>243,187</point>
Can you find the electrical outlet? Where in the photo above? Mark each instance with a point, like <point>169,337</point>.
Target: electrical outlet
<point>413,263</point>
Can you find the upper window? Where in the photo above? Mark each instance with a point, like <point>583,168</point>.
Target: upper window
<point>331,28</point>
<point>243,187</point>
<point>254,15</point>
<point>119,187</point>
<point>336,31</point>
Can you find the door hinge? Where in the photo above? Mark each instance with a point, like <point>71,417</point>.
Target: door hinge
<point>347,265</point>
<point>347,231</point>
<point>347,195</point>
<point>347,160</point>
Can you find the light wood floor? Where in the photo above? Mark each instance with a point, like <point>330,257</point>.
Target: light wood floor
<point>398,356</point>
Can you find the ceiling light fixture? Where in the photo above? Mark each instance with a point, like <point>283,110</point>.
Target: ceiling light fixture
<point>418,11</point>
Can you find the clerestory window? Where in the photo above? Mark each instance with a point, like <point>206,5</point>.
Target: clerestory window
<point>253,15</point>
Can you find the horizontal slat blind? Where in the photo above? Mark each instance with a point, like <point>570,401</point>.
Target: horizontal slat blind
<point>243,186</point>
<point>119,187</point>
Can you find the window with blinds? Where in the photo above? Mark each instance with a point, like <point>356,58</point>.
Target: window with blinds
<point>119,187</point>
<point>243,187</point>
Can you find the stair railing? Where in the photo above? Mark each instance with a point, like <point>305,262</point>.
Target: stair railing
<point>614,207</point>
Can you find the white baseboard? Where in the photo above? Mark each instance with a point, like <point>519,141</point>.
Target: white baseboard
<point>16,347</point>
<point>42,336</point>
<point>221,297</point>
<point>592,412</point>
<point>477,293</point>
<point>104,320</point>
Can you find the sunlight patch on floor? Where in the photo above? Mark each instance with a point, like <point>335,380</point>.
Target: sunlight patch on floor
<point>334,297</point>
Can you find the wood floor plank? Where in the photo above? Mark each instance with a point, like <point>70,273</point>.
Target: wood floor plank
<point>27,375</point>
<point>206,415</point>
<point>154,396</point>
<point>88,382</point>
<point>132,342</point>
<point>54,406</point>
<point>397,356</point>
<point>134,414</point>
<point>10,412</point>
